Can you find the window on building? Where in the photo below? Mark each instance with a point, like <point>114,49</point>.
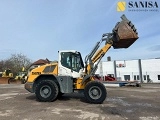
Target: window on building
<point>127,77</point>
<point>144,77</point>
<point>148,78</point>
<point>158,77</point>
<point>136,77</point>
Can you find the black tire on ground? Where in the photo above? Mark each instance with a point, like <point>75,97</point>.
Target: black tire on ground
<point>22,81</point>
<point>46,91</point>
<point>95,92</point>
<point>138,85</point>
<point>60,94</point>
<point>9,81</point>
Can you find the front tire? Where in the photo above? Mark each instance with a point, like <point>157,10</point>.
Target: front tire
<point>46,91</point>
<point>60,94</point>
<point>95,92</point>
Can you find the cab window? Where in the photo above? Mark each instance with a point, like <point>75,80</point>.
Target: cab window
<point>76,62</point>
<point>72,61</point>
<point>66,59</point>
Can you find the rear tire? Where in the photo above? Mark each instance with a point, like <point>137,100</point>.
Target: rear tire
<point>95,92</point>
<point>46,91</point>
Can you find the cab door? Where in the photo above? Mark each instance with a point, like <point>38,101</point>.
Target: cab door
<point>77,65</point>
<point>64,66</point>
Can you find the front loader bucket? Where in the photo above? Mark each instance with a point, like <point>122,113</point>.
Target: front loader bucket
<point>9,80</point>
<point>124,34</point>
<point>4,80</point>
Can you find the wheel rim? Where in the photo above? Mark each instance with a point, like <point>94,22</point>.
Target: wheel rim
<point>45,91</point>
<point>95,92</point>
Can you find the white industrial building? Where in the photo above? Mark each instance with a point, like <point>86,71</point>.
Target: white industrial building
<point>147,71</point>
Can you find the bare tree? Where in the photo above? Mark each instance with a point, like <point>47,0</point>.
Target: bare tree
<point>5,64</point>
<point>16,62</point>
<point>1,65</point>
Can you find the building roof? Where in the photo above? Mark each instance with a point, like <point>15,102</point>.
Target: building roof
<point>41,62</point>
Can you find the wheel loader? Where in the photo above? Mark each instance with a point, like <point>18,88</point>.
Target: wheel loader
<point>6,76</point>
<point>70,74</point>
<point>21,76</point>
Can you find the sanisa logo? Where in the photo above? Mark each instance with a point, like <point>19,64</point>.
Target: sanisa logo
<point>138,6</point>
<point>142,4</point>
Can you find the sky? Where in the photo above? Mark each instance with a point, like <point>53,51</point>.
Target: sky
<point>40,28</point>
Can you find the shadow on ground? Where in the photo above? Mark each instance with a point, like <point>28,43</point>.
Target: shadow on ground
<point>64,97</point>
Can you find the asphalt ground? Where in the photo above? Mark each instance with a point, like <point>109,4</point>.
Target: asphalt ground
<point>122,103</point>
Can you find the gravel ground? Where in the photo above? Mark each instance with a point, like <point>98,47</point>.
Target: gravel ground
<point>122,103</point>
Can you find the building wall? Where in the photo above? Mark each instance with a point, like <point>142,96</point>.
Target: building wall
<point>129,70</point>
<point>105,68</point>
<point>151,68</point>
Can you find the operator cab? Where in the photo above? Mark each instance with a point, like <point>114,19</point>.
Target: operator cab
<point>70,63</point>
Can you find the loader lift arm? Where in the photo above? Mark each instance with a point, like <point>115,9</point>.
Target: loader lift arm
<point>96,55</point>
<point>123,35</point>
